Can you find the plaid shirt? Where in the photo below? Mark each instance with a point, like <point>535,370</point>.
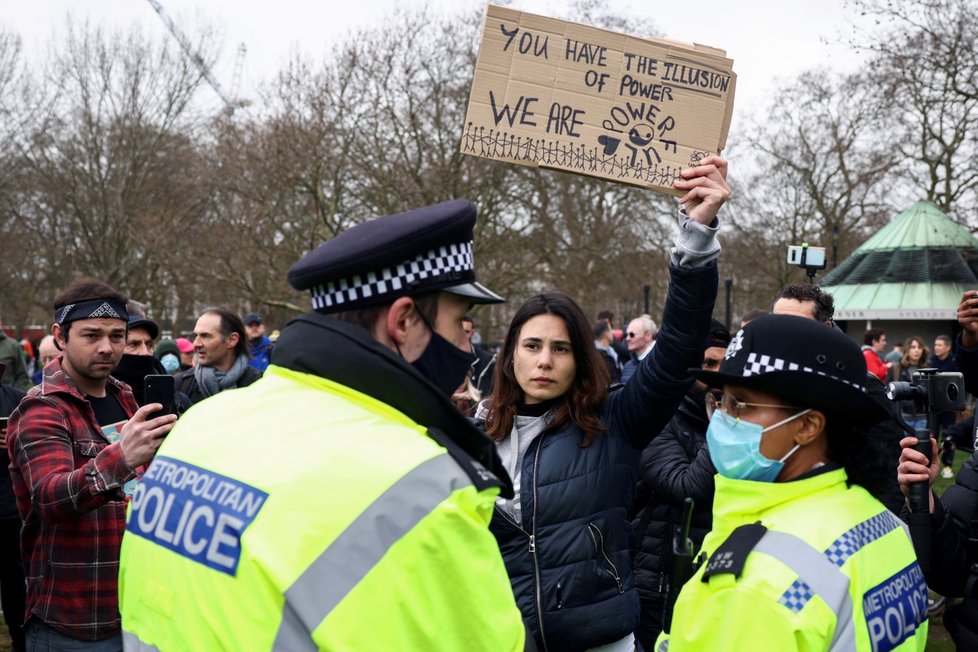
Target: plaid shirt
<point>68,482</point>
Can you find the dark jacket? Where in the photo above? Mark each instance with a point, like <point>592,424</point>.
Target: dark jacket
<point>950,561</point>
<point>187,384</point>
<point>12,355</point>
<point>676,465</point>
<point>904,375</point>
<point>967,361</point>
<point>570,560</point>
<point>947,365</point>
<point>612,366</point>
<point>621,348</point>
<point>962,434</point>
<point>949,528</point>
<point>9,398</point>
<point>885,437</point>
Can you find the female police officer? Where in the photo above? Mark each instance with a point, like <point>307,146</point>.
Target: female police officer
<point>801,556</point>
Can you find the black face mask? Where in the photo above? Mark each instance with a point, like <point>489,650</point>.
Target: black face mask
<point>443,363</point>
<point>132,369</point>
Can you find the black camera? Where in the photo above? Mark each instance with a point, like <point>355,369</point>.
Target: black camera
<point>930,391</point>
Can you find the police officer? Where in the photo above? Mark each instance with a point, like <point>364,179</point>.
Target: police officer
<point>340,502</point>
<point>801,556</point>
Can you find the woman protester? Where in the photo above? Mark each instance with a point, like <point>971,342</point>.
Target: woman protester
<point>801,556</point>
<point>914,357</point>
<point>571,446</point>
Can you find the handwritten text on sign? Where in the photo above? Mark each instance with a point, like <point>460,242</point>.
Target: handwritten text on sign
<point>561,95</point>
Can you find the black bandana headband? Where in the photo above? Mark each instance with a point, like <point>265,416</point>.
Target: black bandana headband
<point>92,309</point>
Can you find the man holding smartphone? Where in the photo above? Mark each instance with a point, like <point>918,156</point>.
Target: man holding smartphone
<point>68,478</point>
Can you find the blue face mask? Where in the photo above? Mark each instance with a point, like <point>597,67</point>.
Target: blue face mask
<point>735,448</point>
<point>170,362</point>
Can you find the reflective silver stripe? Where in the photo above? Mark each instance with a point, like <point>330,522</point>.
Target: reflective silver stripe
<point>664,647</point>
<point>821,576</point>
<point>131,643</point>
<point>361,546</point>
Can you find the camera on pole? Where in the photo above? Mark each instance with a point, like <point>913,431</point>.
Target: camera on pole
<point>811,259</point>
<point>932,393</point>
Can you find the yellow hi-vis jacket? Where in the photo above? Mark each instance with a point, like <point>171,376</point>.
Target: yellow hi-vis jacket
<point>834,571</point>
<point>298,514</point>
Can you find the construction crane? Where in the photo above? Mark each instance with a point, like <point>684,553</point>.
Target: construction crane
<point>236,77</point>
<point>198,60</point>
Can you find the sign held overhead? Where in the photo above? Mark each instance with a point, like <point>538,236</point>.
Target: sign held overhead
<point>555,94</point>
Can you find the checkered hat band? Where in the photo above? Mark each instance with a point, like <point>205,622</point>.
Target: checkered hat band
<point>759,364</point>
<point>852,541</point>
<point>417,272</point>
<point>94,309</point>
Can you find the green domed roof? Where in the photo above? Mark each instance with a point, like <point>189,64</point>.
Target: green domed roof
<point>921,225</point>
<point>916,267</point>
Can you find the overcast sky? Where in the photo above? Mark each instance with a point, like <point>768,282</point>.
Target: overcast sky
<point>767,40</point>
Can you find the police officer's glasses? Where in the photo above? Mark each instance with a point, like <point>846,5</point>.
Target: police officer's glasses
<point>732,406</point>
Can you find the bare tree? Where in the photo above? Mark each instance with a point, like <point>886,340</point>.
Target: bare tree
<point>372,130</point>
<point>15,299</point>
<point>280,188</point>
<point>924,65</point>
<point>112,171</point>
<point>820,175</point>
<point>121,177</point>
<point>600,242</point>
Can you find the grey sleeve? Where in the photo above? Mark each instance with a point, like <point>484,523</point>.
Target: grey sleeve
<point>696,244</point>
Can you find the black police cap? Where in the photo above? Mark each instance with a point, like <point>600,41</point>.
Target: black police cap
<point>803,361</point>
<point>404,254</point>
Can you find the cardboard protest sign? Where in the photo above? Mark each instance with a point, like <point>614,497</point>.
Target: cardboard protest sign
<point>560,95</point>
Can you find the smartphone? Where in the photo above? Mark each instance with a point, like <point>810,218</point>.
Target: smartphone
<point>160,388</point>
<point>805,256</point>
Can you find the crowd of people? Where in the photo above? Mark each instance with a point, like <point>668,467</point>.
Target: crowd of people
<point>374,479</point>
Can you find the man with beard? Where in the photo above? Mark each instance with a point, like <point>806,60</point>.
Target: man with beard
<point>340,502</point>
<point>68,478</point>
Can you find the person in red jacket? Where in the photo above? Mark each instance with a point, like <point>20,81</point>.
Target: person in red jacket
<point>874,343</point>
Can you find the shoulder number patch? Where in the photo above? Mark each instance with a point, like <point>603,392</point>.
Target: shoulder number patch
<point>732,554</point>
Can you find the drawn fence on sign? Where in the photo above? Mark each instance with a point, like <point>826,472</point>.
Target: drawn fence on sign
<point>495,143</point>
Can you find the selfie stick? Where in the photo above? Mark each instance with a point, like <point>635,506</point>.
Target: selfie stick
<point>919,498</point>
<point>811,271</point>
